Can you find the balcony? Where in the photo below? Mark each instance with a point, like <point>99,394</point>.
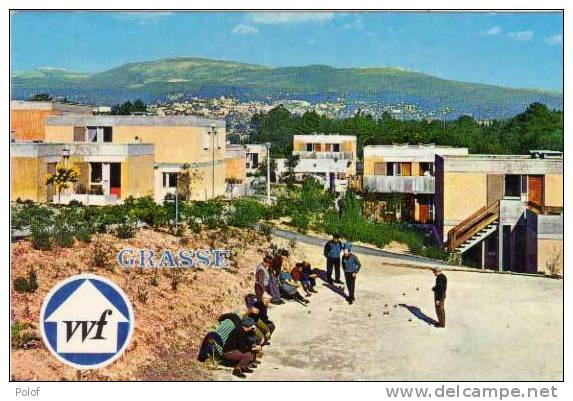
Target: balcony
<point>400,184</point>
<point>304,154</point>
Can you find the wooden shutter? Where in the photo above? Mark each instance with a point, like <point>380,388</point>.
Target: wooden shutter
<point>495,184</point>
<point>380,168</point>
<point>535,185</point>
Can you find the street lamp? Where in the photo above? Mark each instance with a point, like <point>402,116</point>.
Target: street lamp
<point>268,144</point>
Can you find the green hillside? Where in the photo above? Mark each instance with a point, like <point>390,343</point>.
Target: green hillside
<point>186,77</point>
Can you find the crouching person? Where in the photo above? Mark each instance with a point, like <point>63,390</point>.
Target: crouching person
<point>238,349</point>
<point>262,305</point>
<point>289,288</point>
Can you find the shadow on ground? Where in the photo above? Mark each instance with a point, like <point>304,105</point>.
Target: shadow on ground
<point>414,310</point>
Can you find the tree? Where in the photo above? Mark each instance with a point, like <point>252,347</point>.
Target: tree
<point>41,97</point>
<point>127,108</point>
<point>289,175</point>
<point>63,178</point>
<point>186,180</point>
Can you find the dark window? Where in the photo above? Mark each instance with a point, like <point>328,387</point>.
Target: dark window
<point>107,136</point>
<point>309,147</point>
<point>255,159</point>
<point>512,185</point>
<point>336,147</point>
<point>96,175</point>
<point>169,180</point>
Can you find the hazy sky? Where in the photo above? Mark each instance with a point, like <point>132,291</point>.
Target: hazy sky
<point>515,49</point>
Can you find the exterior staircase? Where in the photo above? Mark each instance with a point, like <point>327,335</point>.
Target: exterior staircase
<point>474,229</point>
<point>476,238</point>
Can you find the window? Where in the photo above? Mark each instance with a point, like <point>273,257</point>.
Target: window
<point>170,180</point>
<point>394,169</point>
<point>107,137</point>
<point>309,147</point>
<point>96,172</point>
<point>427,169</point>
<point>336,147</point>
<point>512,185</point>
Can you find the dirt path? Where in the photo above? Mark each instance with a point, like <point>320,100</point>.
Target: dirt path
<point>500,327</point>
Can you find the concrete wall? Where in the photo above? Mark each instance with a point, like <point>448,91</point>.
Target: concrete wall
<point>550,252</point>
<point>236,168</point>
<point>554,190</point>
<point>463,194</point>
<point>29,125</point>
<point>202,189</point>
<point>24,179</point>
<point>137,176</point>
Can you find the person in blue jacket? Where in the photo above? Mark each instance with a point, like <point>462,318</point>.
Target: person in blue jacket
<point>332,251</point>
<point>351,266</point>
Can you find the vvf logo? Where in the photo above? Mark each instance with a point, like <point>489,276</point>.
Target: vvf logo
<point>86,321</point>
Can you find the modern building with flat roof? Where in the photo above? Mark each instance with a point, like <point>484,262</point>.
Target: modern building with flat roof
<point>178,141</point>
<point>109,172</point>
<point>28,119</point>
<point>406,171</point>
<point>502,212</point>
<point>329,157</point>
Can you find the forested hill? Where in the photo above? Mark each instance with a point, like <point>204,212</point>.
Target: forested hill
<point>186,77</point>
<point>536,128</point>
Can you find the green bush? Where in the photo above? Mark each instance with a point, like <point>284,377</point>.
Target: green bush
<point>26,284</point>
<point>41,237</point>
<point>125,230</point>
<point>20,335</point>
<point>301,221</point>
<point>246,212</point>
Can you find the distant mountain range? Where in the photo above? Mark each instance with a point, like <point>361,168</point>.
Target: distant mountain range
<point>183,78</point>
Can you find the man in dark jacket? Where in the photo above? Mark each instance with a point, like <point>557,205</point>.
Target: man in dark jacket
<point>332,251</point>
<point>238,349</point>
<point>440,296</point>
<point>351,266</point>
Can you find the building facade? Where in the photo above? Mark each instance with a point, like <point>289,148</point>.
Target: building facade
<point>330,158</point>
<point>28,119</point>
<point>502,212</point>
<point>109,172</point>
<point>179,142</point>
<point>405,172</point>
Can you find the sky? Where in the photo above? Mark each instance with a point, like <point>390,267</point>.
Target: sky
<point>510,49</point>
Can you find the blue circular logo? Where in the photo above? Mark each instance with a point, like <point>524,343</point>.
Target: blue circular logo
<point>86,321</point>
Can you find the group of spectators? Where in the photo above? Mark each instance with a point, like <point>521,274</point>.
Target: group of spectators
<point>276,280</point>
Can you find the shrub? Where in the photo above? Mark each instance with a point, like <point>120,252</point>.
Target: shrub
<point>300,221</point>
<point>246,213</point>
<point>266,229</point>
<point>41,237</point>
<point>63,234</point>
<point>20,334</point>
<point>29,284</point>
<point>101,254</point>
<point>125,230</point>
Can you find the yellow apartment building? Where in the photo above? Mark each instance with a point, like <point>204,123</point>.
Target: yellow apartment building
<point>28,119</point>
<point>502,212</point>
<point>177,140</point>
<point>408,171</point>
<point>109,172</point>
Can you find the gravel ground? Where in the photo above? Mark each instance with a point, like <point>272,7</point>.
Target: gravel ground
<point>499,327</point>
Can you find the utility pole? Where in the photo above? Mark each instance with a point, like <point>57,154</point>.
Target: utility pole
<point>177,201</point>
<point>268,173</point>
<point>213,133</point>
